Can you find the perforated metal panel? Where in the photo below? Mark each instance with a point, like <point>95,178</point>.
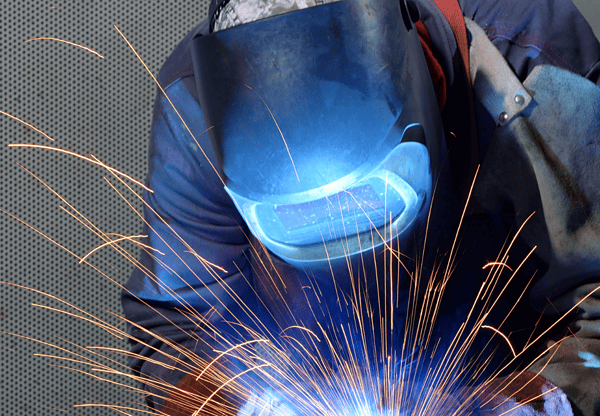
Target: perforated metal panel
<point>89,106</point>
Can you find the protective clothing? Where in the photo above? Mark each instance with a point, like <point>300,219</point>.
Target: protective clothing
<point>191,199</point>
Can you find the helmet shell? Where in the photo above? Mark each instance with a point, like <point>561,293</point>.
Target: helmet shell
<point>309,102</point>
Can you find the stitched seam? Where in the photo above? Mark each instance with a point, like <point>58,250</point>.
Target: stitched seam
<point>544,46</point>
<point>513,31</point>
<point>563,64</point>
<point>177,76</point>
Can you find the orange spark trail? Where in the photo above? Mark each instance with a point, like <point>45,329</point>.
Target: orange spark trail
<point>203,260</point>
<point>95,162</point>
<point>142,245</point>
<point>197,412</point>
<point>528,401</point>
<point>280,132</point>
<point>172,105</point>
<point>39,232</point>
<point>302,328</point>
<point>451,256</point>
<point>503,336</point>
<point>497,263</point>
<point>107,327</point>
<point>27,124</point>
<point>114,242</point>
<point>69,43</point>
<point>222,354</point>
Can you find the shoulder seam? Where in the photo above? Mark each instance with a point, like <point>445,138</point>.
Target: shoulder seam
<point>177,77</point>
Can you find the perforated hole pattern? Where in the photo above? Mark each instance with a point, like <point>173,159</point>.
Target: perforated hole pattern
<point>90,106</point>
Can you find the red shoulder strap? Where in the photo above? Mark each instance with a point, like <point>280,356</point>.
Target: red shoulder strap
<point>454,16</point>
<point>438,78</point>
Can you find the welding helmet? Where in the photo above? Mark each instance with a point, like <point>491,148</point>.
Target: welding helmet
<point>325,127</point>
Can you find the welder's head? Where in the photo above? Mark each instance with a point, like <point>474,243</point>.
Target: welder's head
<point>325,123</point>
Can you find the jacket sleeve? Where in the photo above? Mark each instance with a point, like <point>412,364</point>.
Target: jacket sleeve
<point>538,32</point>
<point>553,32</point>
<point>182,285</point>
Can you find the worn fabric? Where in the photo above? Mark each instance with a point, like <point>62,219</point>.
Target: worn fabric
<point>520,394</point>
<point>562,160</point>
<point>551,142</point>
<point>193,206</point>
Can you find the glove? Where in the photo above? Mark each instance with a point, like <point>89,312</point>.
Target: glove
<point>572,366</point>
<point>573,363</point>
<point>523,394</point>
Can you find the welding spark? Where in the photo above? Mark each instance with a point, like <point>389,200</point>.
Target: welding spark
<point>171,103</point>
<point>27,124</point>
<point>355,385</point>
<point>130,238</point>
<point>69,43</point>
<point>91,160</point>
<point>213,265</point>
<point>503,336</point>
<point>224,353</point>
<point>347,372</point>
<point>280,132</point>
<point>497,263</point>
<point>303,329</point>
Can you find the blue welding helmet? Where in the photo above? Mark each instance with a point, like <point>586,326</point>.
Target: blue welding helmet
<point>325,126</point>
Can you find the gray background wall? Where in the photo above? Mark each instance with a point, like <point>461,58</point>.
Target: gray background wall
<point>90,106</point>
<point>591,10</point>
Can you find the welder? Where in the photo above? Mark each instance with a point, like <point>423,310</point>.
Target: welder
<point>296,138</point>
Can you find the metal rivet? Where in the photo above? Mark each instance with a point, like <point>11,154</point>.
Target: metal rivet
<point>503,117</point>
<point>519,99</point>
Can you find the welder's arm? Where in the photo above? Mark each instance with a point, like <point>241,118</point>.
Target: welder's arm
<point>553,148</point>
<point>538,32</point>
<point>573,362</point>
<point>518,394</point>
<point>197,260</point>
